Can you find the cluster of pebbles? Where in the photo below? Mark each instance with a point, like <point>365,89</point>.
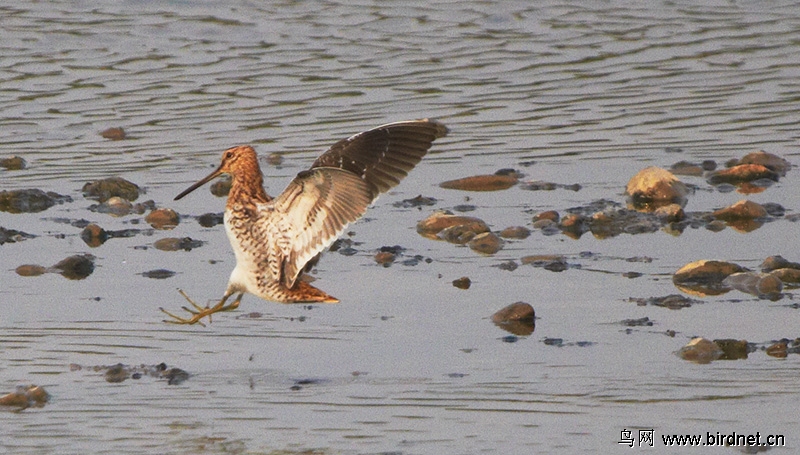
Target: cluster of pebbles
<point>656,199</point>
<point>114,196</point>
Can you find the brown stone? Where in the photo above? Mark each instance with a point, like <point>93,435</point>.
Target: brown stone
<point>732,349</point>
<point>777,262</point>
<point>221,187</point>
<point>385,258</point>
<point>103,190</point>
<point>515,232</point>
<point>655,184</point>
<point>700,350</point>
<point>551,215</point>
<point>162,218</point>
<point>787,275</point>
<point>13,163</point>
<point>30,270</point>
<point>518,318</point>
<point>115,134</point>
<point>499,181</point>
<point>742,173</point>
<point>76,267</point>
<point>275,159</point>
<point>741,210</point>
<point>432,225</point>
<point>768,160</point>
<point>779,350</point>
<point>705,272</point>
<point>462,283</point>
<point>486,243</point>
<point>93,235</point>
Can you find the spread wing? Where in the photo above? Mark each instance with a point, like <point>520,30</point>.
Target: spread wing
<point>319,203</point>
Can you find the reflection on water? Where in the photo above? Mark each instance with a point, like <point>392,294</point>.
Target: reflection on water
<point>583,96</point>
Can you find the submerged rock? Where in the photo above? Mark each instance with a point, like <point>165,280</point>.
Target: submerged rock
<point>741,210</point>
<point>777,262</point>
<point>418,201</point>
<point>176,244</point>
<point>117,373</point>
<point>672,301</point>
<point>208,220</point>
<point>114,206</point>
<point>762,285</point>
<point>431,226</point>
<point>706,272</point>
<point>175,376</point>
<point>13,235</point>
<point>638,322</point>
<point>518,318</point>
<point>158,274</point>
<point>114,133</point>
<point>26,397</point>
<point>789,276</point>
<point>500,180</point>
<point>656,185</point>
<point>686,168</point>
<point>515,232</point>
<point>550,215</point>
<point>486,243</point>
<point>30,270</point>
<point>275,159</point>
<point>733,349</point>
<point>385,258</point>
<point>76,267</point>
<point>221,187</point>
<point>508,266</point>
<point>13,163</point>
<point>551,262</point>
<point>103,190</point>
<point>705,276</point>
<point>670,213</point>
<point>538,185</point>
<point>462,283</point>
<point>162,219</point>
<point>779,349</point>
<point>574,225</point>
<point>30,201</point>
<point>120,372</point>
<point>742,173</point>
<point>768,160</point>
<point>93,235</point>
<point>700,350</point>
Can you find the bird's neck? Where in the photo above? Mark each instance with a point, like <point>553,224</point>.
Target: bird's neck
<point>248,188</point>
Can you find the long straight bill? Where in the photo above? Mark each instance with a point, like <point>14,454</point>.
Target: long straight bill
<point>202,182</point>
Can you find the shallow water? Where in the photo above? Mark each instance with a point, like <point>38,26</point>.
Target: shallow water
<point>406,363</point>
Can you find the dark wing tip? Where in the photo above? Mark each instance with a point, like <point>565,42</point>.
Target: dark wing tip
<point>441,129</point>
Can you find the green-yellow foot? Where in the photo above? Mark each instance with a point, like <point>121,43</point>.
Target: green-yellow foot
<point>198,313</point>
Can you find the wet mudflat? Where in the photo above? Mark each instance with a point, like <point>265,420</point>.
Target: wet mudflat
<point>581,98</point>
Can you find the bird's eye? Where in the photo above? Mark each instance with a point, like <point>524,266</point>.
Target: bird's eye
<point>229,155</point>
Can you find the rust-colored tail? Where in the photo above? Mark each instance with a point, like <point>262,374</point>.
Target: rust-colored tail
<point>303,292</point>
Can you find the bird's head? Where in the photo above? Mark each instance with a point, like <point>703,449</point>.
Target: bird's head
<point>240,161</point>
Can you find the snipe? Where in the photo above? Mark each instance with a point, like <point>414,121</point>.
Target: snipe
<point>276,240</point>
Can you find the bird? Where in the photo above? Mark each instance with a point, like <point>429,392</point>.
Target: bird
<point>276,240</point>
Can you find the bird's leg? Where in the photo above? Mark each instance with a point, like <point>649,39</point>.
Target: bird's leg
<point>199,312</point>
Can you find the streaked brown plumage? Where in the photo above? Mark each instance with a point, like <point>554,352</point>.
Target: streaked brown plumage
<point>276,240</point>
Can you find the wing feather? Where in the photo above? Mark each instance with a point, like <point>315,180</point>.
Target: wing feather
<point>312,212</point>
<point>382,156</point>
<point>319,203</point>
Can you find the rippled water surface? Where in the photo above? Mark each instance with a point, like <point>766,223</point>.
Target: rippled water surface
<point>567,92</point>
